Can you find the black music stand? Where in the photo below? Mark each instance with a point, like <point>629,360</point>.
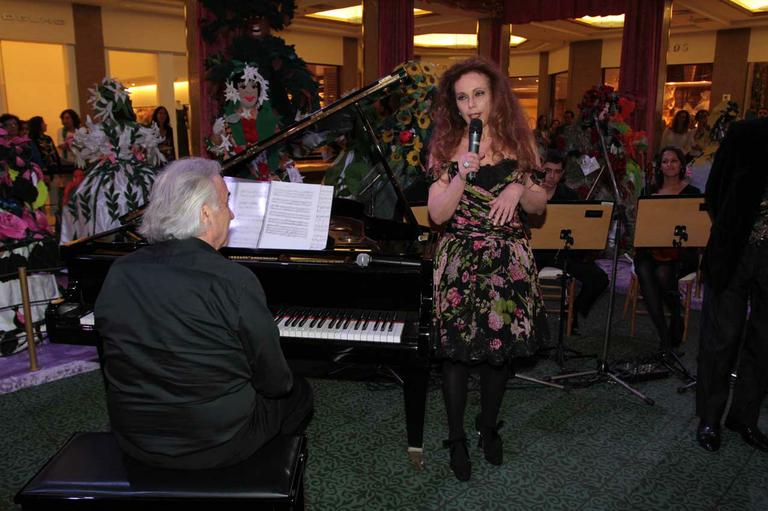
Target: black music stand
<point>603,372</point>
<point>665,221</point>
<point>566,226</point>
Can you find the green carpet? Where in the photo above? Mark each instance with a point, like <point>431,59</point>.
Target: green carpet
<point>593,448</point>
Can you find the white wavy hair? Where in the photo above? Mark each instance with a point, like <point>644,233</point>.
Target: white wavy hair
<point>177,197</point>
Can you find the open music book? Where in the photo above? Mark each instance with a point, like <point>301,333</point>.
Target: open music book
<point>279,215</point>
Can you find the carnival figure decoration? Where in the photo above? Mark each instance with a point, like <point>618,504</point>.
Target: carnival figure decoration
<point>247,116</point>
<point>119,158</point>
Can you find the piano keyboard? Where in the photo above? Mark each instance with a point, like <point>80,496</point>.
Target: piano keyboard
<point>345,325</point>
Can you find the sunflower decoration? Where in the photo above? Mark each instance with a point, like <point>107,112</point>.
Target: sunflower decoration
<point>407,130</point>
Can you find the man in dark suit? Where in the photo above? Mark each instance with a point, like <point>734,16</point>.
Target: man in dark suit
<point>735,269</point>
<point>196,377</point>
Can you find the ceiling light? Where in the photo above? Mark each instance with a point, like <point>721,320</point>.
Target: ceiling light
<point>456,40</point>
<point>446,40</point>
<point>613,21</point>
<point>352,14</point>
<point>752,5</point>
<point>516,40</point>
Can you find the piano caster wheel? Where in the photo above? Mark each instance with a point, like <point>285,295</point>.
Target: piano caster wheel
<point>416,457</point>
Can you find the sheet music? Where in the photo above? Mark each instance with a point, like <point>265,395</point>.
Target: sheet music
<point>298,216</point>
<point>279,215</point>
<point>322,219</point>
<point>248,200</point>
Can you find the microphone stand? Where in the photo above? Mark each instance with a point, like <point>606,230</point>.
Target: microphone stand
<point>603,371</point>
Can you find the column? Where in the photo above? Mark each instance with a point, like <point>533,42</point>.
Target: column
<point>729,75</point>
<point>199,114</point>
<point>3,94</point>
<point>543,104</point>
<point>387,36</point>
<point>349,68</point>
<point>165,94</point>
<point>493,41</point>
<point>89,52</point>
<point>370,40</point>
<point>584,70</point>
<point>644,62</point>
<point>70,70</point>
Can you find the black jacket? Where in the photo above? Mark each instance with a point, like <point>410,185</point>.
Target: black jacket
<point>734,191</point>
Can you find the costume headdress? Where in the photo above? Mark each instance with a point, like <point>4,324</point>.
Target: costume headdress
<point>250,74</point>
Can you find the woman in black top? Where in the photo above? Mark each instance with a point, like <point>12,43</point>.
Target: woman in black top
<point>163,120</point>
<point>659,269</point>
<point>45,145</point>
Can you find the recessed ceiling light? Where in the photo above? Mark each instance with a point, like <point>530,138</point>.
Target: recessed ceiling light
<point>752,5</point>
<point>456,40</point>
<point>352,14</point>
<point>613,21</point>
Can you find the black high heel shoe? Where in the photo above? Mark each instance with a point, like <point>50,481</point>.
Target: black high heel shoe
<point>488,438</point>
<point>460,462</point>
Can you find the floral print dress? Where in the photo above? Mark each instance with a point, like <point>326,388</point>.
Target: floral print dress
<point>488,305</point>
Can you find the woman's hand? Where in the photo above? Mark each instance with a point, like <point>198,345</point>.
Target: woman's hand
<point>503,207</point>
<point>468,162</point>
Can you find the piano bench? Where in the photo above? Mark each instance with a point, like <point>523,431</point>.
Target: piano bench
<point>91,472</point>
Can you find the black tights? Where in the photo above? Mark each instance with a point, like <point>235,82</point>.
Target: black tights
<point>493,383</point>
<point>658,282</point>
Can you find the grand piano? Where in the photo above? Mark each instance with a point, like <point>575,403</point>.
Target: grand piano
<point>366,299</point>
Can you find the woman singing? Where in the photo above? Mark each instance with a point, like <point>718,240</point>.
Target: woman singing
<point>487,301</point>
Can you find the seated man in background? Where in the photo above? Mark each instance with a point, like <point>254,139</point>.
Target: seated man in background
<point>592,278</point>
<point>196,377</point>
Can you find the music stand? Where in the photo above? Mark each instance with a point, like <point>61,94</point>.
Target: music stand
<point>603,372</point>
<point>665,221</point>
<point>566,226</point>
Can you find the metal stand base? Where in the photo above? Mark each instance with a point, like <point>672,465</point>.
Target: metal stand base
<point>602,375</point>
<point>531,379</point>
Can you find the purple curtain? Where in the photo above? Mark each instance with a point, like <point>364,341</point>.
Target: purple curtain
<point>525,11</point>
<point>640,59</point>
<point>395,34</point>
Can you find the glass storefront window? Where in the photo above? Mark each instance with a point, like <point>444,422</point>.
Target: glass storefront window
<point>688,87</point>
<point>559,98</point>
<point>39,89</point>
<point>526,88</point>
<point>611,77</point>
<point>758,88</point>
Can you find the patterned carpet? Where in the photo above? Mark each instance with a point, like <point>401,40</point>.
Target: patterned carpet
<point>591,448</point>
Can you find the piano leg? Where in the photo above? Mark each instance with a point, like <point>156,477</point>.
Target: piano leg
<point>416,380</point>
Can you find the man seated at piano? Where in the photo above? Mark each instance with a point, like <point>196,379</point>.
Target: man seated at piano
<point>195,374</point>
<point>581,266</point>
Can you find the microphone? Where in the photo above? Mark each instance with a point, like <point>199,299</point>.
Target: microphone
<point>363,260</point>
<point>475,133</point>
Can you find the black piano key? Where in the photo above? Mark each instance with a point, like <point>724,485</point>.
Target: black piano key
<point>392,322</point>
<point>348,317</point>
<point>380,317</point>
<point>340,320</point>
<point>366,318</point>
<point>315,318</point>
<point>300,313</point>
<point>376,319</point>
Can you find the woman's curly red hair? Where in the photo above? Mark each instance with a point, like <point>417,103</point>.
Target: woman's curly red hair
<point>506,119</point>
